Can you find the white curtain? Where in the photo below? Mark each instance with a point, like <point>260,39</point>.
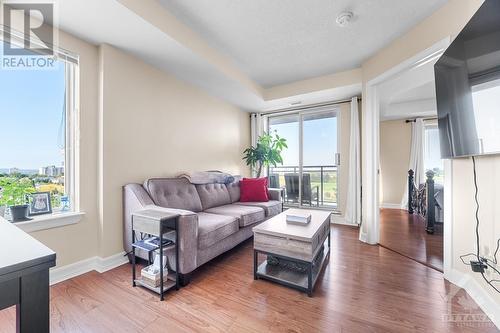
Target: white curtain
<point>258,125</point>
<point>353,204</point>
<point>416,157</point>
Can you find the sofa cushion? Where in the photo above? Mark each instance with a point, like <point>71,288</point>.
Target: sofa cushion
<point>272,207</point>
<point>246,215</point>
<point>253,190</point>
<point>234,190</point>
<point>213,195</point>
<point>213,228</point>
<point>173,193</point>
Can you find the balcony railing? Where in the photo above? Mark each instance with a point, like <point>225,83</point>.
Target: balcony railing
<point>320,184</point>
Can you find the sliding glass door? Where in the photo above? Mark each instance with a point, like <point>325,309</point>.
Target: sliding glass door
<point>309,174</point>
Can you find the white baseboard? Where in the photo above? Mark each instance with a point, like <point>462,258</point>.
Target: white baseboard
<point>478,293</point>
<point>98,264</point>
<point>105,264</point>
<point>338,219</point>
<point>390,205</point>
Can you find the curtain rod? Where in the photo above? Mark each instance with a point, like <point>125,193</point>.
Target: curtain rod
<point>424,119</point>
<point>310,106</point>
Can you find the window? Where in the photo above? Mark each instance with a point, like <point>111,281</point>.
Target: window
<point>37,138</point>
<point>312,139</point>
<point>432,153</point>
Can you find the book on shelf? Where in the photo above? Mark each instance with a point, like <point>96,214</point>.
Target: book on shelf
<point>155,241</point>
<point>298,217</point>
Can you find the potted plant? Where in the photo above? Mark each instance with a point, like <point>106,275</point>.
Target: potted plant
<point>266,153</point>
<point>14,192</point>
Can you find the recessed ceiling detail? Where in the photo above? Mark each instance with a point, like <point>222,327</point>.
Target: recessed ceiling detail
<point>282,41</point>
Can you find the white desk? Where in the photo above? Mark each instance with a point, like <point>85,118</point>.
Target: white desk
<point>24,277</point>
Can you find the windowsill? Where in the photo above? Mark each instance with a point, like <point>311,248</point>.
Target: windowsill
<point>43,222</point>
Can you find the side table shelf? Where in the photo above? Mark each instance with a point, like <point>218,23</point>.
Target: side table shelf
<point>156,223</point>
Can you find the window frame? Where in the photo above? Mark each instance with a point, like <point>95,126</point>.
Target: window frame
<point>72,140</point>
<point>428,125</point>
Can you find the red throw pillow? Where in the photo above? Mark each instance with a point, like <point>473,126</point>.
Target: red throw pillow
<point>253,190</point>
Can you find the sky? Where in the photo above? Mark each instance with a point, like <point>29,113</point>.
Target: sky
<point>31,105</point>
<point>320,141</point>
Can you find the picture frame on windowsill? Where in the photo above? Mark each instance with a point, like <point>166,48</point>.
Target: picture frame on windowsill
<point>39,203</point>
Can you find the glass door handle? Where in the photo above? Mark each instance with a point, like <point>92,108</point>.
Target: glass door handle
<point>337,158</point>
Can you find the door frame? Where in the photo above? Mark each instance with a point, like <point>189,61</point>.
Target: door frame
<point>370,227</point>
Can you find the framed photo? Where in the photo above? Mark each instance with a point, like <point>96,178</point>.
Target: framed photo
<point>39,203</point>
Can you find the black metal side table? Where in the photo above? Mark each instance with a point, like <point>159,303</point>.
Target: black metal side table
<point>153,222</point>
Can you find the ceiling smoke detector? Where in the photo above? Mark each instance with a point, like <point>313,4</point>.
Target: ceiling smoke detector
<point>344,18</point>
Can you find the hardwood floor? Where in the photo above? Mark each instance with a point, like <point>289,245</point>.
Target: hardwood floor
<point>405,234</point>
<point>363,289</point>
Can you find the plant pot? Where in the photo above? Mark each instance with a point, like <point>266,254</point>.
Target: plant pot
<point>19,213</point>
<point>2,211</point>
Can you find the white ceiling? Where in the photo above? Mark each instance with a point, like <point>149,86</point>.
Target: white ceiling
<point>281,41</point>
<point>269,41</point>
<point>409,94</point>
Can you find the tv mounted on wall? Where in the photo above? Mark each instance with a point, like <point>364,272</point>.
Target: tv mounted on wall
<point>468,87</point>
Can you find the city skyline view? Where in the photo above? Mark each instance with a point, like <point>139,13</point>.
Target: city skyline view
<point>31,109</point>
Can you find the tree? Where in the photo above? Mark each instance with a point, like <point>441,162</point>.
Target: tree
<point>266,153</point>
<point>14,190</point>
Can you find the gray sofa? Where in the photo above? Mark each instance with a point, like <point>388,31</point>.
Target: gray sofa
<point>212,219</point>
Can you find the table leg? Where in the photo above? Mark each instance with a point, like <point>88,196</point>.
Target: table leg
<point>329,239</point>
<point>133,259</point>
<point>309,280</point>
<point>161,263</point>
<point>33,310</point>
<point>255,257</point>
<point>177,267</point>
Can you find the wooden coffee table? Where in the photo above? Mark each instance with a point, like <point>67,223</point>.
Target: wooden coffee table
<point>302,245</point>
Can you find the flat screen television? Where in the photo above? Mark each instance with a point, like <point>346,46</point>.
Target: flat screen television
<point>468,87</point>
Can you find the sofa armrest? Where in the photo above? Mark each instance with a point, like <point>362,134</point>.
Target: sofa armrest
<point>136,198</point>
<point>275,194</point>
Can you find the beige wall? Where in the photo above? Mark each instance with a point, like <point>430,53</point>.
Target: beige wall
<point>155,125</point>
<point>395,142</point>
<point>136,121</point>
<point>488,177</point>
<point>336,80</point>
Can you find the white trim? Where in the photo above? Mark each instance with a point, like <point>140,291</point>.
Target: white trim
<point>340,220</point>
<point>59,274</point>
<point>369,232</point>
<point>477,292</point>
<point>448,217</point>
<point>97,264</point>
<point>105,264</point>
<point>44,222</point>
<point>390,205</point>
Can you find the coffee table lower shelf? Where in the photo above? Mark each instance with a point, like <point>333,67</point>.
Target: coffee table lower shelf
<point>303,281</point>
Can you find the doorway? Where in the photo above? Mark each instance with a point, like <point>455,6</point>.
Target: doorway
<point>309,175</point>
<point>375,210</point>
